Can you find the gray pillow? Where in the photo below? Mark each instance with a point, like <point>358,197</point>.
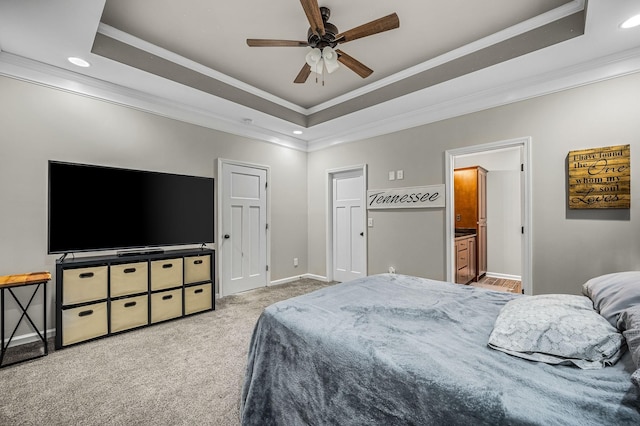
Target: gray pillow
<point>611,294</point>
<point>556,329</point>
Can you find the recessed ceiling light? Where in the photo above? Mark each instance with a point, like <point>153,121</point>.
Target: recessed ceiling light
<point>297,132</point>
<point>79,62</point>
<point>634,21</point>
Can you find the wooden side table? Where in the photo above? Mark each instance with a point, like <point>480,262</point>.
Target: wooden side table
<point>8,283</point>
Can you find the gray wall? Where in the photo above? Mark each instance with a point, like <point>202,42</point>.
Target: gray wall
<point>38,124</point>
<point>569,246</point>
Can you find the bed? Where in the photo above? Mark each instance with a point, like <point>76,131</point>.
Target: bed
<point>391,349</point>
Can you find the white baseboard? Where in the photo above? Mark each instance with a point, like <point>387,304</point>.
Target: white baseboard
<point>316,277</point>
<point>292,279</point>
<point>29,338</point>
<point>504,276</point>
<point>299,277</point>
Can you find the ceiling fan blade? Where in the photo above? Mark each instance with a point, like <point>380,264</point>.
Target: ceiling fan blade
<point>303,74</point>
<point>386,23</point>
<point>259,42</point>
<point>353,64</point>
<point>312,10</point>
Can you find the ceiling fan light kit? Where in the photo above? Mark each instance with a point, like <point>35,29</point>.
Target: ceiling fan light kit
<point>314,59</point>
<point>323,37</point>
<point>328,57</point>
<point>319,60</point>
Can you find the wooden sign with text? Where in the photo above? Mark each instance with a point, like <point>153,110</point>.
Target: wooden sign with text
<point>406,198</point>
<point>600,178</point>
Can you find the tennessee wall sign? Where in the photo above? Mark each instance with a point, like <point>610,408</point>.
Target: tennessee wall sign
<point>415,197</point>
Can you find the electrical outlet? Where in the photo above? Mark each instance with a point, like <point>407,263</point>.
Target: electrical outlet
<point>400,174</point>
<point>370,222</point>
<point>392,175</point>
<point>458,218</point>
<point>295,261</point>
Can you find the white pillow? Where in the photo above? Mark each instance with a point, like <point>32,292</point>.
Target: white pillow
<point>556,329</point>
<point>629,323</point>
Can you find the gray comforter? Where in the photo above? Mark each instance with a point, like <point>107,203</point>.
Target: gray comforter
<point>399,350</point>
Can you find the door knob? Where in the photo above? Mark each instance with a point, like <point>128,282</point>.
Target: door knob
<point>226,236</point>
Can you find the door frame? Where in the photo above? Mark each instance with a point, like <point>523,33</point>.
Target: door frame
<point>526,197</point>
<point>219,186</point>
<point>329,214</point>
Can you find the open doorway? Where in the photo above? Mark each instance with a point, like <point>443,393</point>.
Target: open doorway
<point>507,250</point>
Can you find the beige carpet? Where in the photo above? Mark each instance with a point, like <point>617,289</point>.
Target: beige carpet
<point>183,372</point>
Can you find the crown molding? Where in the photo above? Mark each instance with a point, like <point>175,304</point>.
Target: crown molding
<point>603,68</point>
<point>46,75</point>
<point>138,43</point>
<point>600,69</point>
<point>513,31</point>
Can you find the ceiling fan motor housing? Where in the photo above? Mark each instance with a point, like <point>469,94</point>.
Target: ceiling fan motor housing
<point>330,32</point>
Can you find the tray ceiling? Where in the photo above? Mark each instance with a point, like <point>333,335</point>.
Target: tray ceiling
<point>193,56</point>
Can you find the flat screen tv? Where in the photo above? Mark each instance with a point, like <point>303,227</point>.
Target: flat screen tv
<point>95,208</point>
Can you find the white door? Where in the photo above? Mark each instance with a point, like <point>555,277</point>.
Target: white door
<point>349,248</point>
<point>243,230</point>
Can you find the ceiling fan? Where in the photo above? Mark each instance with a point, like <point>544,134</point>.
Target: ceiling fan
<point>323,37</point>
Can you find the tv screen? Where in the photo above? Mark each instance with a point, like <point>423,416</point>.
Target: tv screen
<point>93,208</point>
